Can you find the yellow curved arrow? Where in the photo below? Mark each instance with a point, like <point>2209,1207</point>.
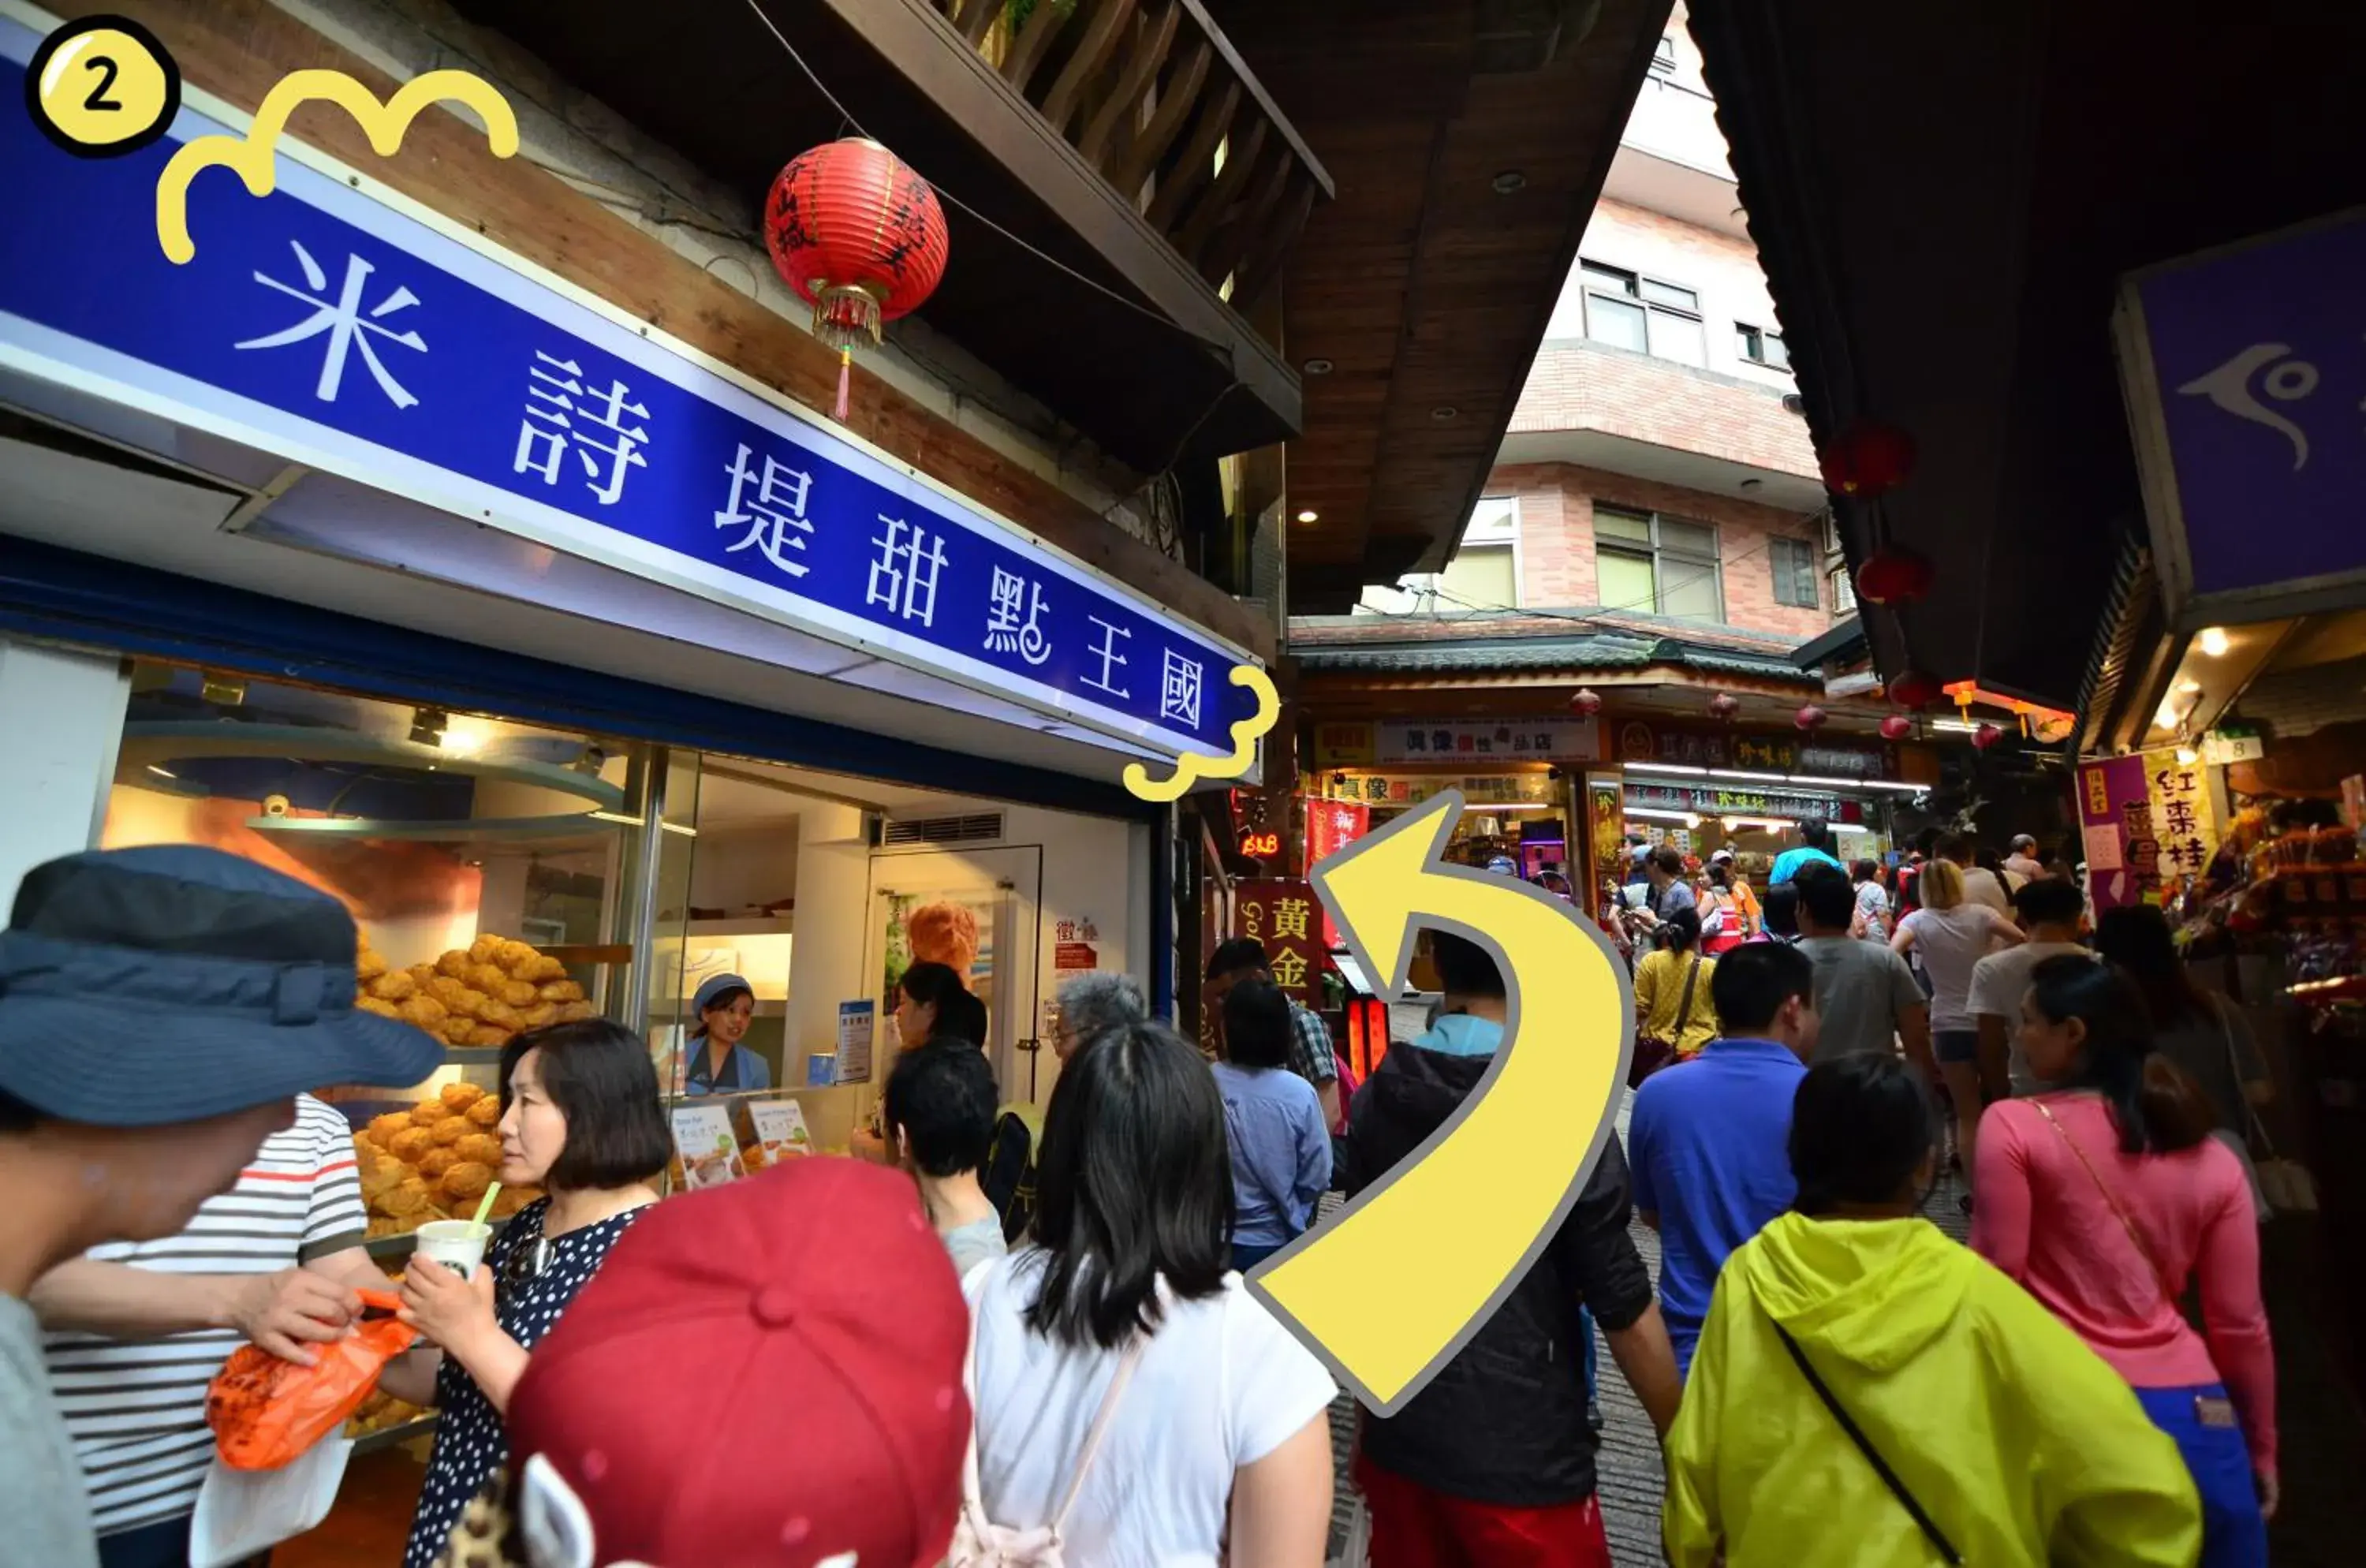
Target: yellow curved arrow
<point>1192,766</point>
<point>253,156</point>
<point>1390,1287</point>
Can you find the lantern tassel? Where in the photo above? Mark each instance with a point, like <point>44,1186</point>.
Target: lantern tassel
<point>845,377</point>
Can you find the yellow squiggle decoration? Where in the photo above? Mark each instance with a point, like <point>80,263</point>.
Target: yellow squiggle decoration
<point>1192,766</point>
<point>253,156</point>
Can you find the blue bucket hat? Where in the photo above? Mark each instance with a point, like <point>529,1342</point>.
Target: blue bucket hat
<point>711,994</point>
<point>146,986</point>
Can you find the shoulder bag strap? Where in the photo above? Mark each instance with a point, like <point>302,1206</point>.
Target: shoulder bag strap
<point>2134,1235</point>
<point>1864,1446</point>
<point>1117,1380</point>
<point>2258,1127</point>
<point>973,1498</point>
<point>1684,1006</point>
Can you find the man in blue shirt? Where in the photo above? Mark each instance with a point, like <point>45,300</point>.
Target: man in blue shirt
<point>1711,1138</point>
<point>1815,845</point>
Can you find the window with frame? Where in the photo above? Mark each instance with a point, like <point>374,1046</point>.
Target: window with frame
<point>1843,592</point>
<point>1660,566</point>
<point>1795,572</point>
<point>1663,56</point>
<point>1647,315</point>
<point>1483,575</point>
<point>1760,346</point>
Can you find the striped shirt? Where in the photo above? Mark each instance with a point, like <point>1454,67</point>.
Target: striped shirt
<point>136,1408</point>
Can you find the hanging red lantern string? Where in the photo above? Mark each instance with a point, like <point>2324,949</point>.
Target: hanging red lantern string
<point>860,237</point>
<point>1810,717</point>
<point>1986,736</point>
<point>1586,704</point>
<point>1867,460</point>
<point>1724,706</point>
<point>1894,576</point>
<point>1896,726</point>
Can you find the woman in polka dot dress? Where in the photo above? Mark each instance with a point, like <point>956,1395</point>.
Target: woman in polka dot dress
<point>580,1116</point>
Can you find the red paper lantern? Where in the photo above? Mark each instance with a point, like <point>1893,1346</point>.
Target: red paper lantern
<point>1914,689</point>
<point>859,236</point>
<point>1867,460</point>
<point>1894,577</point>
<point>1586,704</point>
<point>1723,706</point>
<point>1896,726</point>
<point>1986,736</point>
<point>1810,717</point>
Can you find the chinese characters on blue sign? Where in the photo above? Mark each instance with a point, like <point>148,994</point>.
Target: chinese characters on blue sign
<point>386,346</point>
<point>2256,389</point>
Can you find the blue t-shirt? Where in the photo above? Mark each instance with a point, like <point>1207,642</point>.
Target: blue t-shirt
<point>1787,864</point>
<point>1708,1143</point>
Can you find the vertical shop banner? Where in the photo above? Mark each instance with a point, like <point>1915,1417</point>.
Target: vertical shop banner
<point>1605,815</point>
<point>2184,823</point>
<point>323,325</point>
<point>702,1136</point>
<point>1282,913</point>
<point>1332,825</point>
<point>2115,822</point>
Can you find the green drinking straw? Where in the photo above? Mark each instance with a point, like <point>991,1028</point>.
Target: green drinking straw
<point>485,1206</point>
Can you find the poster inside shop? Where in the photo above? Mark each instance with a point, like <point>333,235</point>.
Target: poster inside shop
<point>779,1129</point>
<point>956,928</point>
<point>855,1031</point>
<point>1282,913</point>
<point>702,1138</point>
<point>1458,740</point>
<point>1074,947</point>
<point>1332,825</point>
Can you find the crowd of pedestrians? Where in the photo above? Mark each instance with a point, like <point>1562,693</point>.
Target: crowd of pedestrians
<point>1030,1338</point>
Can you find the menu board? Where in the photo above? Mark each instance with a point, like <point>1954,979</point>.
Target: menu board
<point>780,1127</point>
<point>710,1155</point>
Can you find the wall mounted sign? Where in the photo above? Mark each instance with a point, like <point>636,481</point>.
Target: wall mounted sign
<point>1282,914</point>
<point>1260,846</point>
<point>1712,800</point>
<point>322,325</point>
<point>1685,746</point>
<point>2245,369</point>
<point>1332,825</point>
<point>1459,741</point>
<point>1412,789</point>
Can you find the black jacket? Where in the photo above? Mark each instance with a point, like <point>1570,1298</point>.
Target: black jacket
<point>1504,1421</point>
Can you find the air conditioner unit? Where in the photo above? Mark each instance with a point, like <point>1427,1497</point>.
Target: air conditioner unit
<point>973,827</point>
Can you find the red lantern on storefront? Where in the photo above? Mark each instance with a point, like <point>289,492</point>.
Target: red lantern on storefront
<point>1867,460</point>
<point>1892,576</point>
<point>1810,717</point>
<point>1896,726</point>
<point>859,236</point>
<point>1914,691</point>
<point>1586,704</point>
<point>1723,706</point>
<point>1986,736</point>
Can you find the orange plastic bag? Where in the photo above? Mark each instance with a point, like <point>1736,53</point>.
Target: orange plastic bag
<point>265,1412</point>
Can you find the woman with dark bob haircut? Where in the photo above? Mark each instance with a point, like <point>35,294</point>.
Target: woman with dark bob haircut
<point>2138,1201</point>
<point>580,1119</point>
<point>1123,1315</point>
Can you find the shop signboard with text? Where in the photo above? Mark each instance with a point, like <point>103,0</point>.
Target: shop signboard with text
<point>2244,370</point>
<point>1457,741</point>
<point>1282,912</point>
<point>1714,800</point>
<point>326,326</point>
<point>1412,789</point>
<point>2115,824</point>
<point>1705,746</point>
<point>1332,825</point>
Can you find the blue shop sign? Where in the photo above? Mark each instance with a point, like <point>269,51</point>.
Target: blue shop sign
<point>2245,371</point>
<point>325,325</point>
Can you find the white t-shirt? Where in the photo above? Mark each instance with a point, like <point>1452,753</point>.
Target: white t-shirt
<point>2000,981</point>
<point>1951,943</point>
<point>1982,887</point>
<point>1221,1384</point>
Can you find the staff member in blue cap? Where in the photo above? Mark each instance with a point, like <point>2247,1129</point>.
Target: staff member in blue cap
<point>718,1063</point>
<point>205,994</point>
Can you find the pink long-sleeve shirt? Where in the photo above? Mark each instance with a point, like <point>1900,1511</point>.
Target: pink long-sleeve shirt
<point>2040,1217</point>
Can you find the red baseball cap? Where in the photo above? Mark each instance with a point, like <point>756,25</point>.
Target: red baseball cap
<point>764,1374</point>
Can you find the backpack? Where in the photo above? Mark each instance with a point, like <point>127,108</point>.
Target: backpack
<point>1348,1084</point>
<point>978,1542</point>
<point>1009,1174</point>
